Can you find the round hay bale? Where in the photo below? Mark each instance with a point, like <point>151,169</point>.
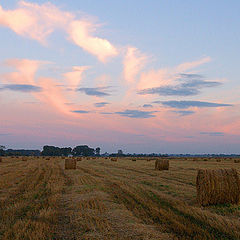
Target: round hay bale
<point>114,159</point>
<point>70,163</point>
<point>218,160</point>
<point>0,159</point>
<point>162,164</point>
<point>134,160</point>
<point>217,186</point>
<point>79,159</point>
<point>24,159</point>
<point>236,161</point>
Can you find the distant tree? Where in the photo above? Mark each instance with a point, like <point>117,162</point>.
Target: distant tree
<point>83,150</point>
<point>120,152</point>
<point>51,151</point>
<point>2,153</point>
<point>97,151</point>
<point>66,151</point>
<point>2,147</point>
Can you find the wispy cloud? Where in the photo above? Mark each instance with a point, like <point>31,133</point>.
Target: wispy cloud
<point>147,105</point>
<point>188,104</point>
<point>79,32</point>
<point>106,113</point>
<point>21,88</point>
<point>214,134</point>
<point>170,91</point>
<point>98,92</point>
<point>184,113</point>
<point>75,76</point>
<point>38,21</point>
<point>136,114</point>
<point>101,104</point>
<point>190,84</point>
<point>80,111</point>
<point>133,62</point>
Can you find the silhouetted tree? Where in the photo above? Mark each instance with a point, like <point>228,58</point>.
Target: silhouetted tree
<point>97,151</point>
<point>83,150</point>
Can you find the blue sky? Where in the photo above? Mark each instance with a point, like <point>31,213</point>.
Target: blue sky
<point>120,49</point>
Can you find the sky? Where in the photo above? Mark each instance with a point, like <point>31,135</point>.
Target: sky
<point>141,76</point>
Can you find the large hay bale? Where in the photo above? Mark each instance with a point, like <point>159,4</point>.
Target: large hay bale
<point>236,161</point>
<point>24,159</point>
<point>114,159</point>
<point>0,159</point>
<point>218,160</point>
<point>70,163</point>
<point>79,159</point>
<point>161,164</point>
<point>134,160</point>
<point>217,186</point>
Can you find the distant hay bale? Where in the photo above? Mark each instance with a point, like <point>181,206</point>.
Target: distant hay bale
<point>148,160</point>
<point>0,159</point>
<point>161,164</point>
<point>79,159</point>
<point>134,160</point>
<point>114,159</point>
<point>218,160</point>
<point>236,161</point>
<point>24,159</point>
<point>70,163</point>
<point>217,186</point>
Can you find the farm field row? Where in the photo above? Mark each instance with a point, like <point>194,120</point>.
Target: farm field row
<point>103,199</point>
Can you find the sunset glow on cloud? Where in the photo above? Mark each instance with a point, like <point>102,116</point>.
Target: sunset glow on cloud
<point>106,86</point>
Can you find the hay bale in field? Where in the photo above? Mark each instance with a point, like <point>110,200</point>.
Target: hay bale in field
<point>114,159</point>
<point>79,159</point>
<point>24,159</point>
<point>217,186</point>
<point>236,161</point>
<point>218,160</point>
<point>148,160</point>
<point>161,164</point>
<point>0,159</point>
<point>134,160</point>
<point>70,163</point>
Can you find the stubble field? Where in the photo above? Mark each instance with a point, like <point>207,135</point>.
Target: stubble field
<point>103,199</point>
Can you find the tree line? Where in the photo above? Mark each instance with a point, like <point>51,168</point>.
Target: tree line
<point>82,150</point>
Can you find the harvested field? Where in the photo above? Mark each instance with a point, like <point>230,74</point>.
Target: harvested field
<point>102,199</point>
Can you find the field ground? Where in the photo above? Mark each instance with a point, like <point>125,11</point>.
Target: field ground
<point>102,199</point>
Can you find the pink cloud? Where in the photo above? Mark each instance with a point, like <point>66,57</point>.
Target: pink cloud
<point>189,65</point>
<point>75,76</point>
<point>167,76</point>
<point>37,22</point>
<point>26,70</point>
<point>53,95</point>
<point>34,21</point>
<point>79,32</point>
<point>133,62</point>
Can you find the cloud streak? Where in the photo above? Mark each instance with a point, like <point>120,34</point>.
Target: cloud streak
<point>188,104</point>
<point>190,85</point>
<point>184,113</point>
<point>101,104</point>
<point>21,88</point>
<point>212,134</point>
<point>38,21</point>
<point>136,114</point>
<point>97,92</point>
